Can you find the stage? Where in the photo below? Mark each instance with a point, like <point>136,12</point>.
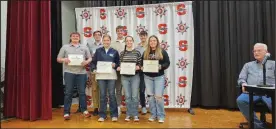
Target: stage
<point>175,118</point>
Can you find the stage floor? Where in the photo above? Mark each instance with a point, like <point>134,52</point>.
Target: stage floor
<point>175,118</point>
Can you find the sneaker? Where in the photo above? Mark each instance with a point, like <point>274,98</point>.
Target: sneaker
<point>151,119</point>
<point>95,112</point>
<point>66,117</point>
<point>161,120</point>
<point>144,111</point>
<point>114,119</point>
<point>86,114</point>
<point>119,111</point>
<point>136,118</point>
<point>101,119</point>
<point>127,118</point>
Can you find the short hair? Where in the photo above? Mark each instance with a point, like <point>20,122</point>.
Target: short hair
<point>119,27</point>
<point>72,33</point>
<point>106,35</point>
<point>143,33</point>
<point>97,31</point>
<point>261,44</point>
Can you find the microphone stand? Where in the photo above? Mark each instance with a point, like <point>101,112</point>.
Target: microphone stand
<point>191,111</point>
<point>264,76</point>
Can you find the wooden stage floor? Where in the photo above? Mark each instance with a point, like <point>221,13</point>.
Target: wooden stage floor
<point>175,118</point>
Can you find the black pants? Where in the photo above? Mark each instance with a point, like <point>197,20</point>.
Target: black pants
<point>142,90</point>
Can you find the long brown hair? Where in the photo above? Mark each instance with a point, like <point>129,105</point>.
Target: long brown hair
<point>158,50</point>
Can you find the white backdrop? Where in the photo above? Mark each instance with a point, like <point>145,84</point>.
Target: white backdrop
<point>171,22</point>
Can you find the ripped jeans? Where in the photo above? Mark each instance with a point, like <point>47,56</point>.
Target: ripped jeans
<point>155,87</point>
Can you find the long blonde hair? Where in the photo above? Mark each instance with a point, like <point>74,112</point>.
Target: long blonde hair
<point>158,50</point>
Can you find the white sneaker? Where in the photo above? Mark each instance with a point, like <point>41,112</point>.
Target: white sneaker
<point>144,111</point>
<point>151,119</point>
<point>66,117</point>
<point>161,120</point>
<point>127,118</point>
<point>136,118</point>
<point>101,119</point>
<point>114,119</point>
<point>119,111</point>
<point>86,114</point>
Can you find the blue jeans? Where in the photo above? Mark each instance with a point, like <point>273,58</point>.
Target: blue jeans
<point>72,80</point>
<point>243,104</point>
<point>109,85</point>
<point>131,87</point>
<point>155,87</point>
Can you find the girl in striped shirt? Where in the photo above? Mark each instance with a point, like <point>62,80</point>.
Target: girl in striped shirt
<point>131,82</point>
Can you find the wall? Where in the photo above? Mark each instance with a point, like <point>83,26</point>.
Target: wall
<point>68,18</point>
<point>3,32</point>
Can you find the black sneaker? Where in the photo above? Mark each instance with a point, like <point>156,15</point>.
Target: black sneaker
<point>95,112</point>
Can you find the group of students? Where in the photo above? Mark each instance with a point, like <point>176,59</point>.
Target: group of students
<point>122,50</point>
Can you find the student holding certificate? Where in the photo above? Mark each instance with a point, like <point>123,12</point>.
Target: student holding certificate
<point>104,63</point>
<point>130,63</point>
<point>154,61</point>
<point>74,55</point>
<point>143,35</point>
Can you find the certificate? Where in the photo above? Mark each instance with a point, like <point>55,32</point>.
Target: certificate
<point>151,66</point>
<point>128,68</point>
<point>75,59</point>
<point>104,67</point>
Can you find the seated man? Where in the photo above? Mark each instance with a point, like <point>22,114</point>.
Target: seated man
<point>252,74</point>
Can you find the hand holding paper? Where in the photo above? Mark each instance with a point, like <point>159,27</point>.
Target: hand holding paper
<point>119,68</point>
<point>84,63</point>
<point>113,65</point>
<point>137,68</point>
<point>66,60</point>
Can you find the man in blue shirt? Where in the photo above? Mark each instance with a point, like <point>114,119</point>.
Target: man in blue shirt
<point>252,74</point>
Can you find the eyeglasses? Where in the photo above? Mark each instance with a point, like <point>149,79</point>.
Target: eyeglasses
<point>257,51</point>
<point>120,30</point>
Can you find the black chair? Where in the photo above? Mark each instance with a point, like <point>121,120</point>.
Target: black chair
<point>259,106</point>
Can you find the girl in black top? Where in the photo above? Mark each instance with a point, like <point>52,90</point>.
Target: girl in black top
<point>155,82</point>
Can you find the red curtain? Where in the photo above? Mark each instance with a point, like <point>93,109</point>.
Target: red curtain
<point>28,61</point>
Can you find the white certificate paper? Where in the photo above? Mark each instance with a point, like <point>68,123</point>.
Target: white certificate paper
<point>128,68</point>
<point>104,67</point>
<point>75,59</point>
<point>151,66</point>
